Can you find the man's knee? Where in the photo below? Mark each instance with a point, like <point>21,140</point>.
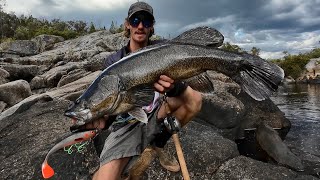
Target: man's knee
<point>111,170</point>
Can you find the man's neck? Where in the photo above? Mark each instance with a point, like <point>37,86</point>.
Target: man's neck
<point>134,46</point>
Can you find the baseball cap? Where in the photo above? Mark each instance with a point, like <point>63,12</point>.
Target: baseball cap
<point>140,6</point>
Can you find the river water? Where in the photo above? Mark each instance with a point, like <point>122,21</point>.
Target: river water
<point>301,105</point>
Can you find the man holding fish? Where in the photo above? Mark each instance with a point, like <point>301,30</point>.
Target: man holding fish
<point>129,137</point>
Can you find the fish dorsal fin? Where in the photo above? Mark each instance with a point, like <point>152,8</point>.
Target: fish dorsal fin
<point>139,114</point>
<point>205,36</point>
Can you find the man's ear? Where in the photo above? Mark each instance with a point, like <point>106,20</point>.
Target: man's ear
<point>126,23</point>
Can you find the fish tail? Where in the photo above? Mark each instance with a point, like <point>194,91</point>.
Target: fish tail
<point>47,171</point>
<point>259,78</point>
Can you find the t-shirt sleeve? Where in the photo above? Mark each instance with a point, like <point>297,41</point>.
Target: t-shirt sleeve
<point>109,60</point>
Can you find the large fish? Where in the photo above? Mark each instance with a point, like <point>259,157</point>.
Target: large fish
<point>127,85</point>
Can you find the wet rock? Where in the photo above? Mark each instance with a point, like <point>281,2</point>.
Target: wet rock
<point>270,142</point>
<point>14,92</point>
<point>288,80</point>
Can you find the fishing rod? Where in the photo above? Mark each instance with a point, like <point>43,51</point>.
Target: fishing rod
<point>173,126</point>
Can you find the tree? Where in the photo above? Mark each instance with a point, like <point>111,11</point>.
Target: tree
<point>2,5</point>
<point>92,28</point>
<point>113,28</point>
<point>255,51</point>
<point>229,47</point>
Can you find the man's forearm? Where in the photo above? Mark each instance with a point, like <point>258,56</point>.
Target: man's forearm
<point>184,107</point>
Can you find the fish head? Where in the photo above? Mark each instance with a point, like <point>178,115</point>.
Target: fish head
<point>101,98</point>
<point>79,112</point>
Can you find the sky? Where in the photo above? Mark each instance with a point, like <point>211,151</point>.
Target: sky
<point>273,26</point>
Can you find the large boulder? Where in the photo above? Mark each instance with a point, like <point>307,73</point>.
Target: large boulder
<point>52,77</point>
<point>27,137</point>
<point>82,49</point>
<point>19,47</point>
<point>25,72</point>
<point>204,150</point>
<point>14,92</point>
<point>72,76</point>
<point>46,42</point>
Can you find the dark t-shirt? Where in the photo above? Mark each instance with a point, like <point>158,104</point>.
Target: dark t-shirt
<point>122,53</point>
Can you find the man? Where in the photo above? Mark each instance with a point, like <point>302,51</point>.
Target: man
<point>129,137</point>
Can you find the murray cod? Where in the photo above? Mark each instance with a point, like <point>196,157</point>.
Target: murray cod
<point>127,85</point>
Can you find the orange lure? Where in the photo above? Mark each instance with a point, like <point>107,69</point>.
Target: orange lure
<point>47,170</point>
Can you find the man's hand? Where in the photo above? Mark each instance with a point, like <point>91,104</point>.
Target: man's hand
<point>183,107</point>
<point>164,84</point>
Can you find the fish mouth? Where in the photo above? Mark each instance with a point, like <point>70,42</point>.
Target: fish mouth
<point>80,117</point>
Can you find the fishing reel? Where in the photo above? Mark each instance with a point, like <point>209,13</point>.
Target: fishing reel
<point>172,124</point>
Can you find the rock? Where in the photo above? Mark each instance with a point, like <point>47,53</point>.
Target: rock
<point>2,106</point>
<point>4,76</point>
<point>73,90</point>
<point>245,168</point>
<point>270,142</point>
<point>25,72</point>
<point>27,137</point>
<point>53,76</point>
<point>46,42</point>
<point>96,62</point>
<point>81,49</point>
<point>19,47</point>
<point>72,76</point>
<point>315,80</point>
<point>313,67</point>
<point>261,111</point>
<point>288,80</point>
<point>14,92</point>
<point>24,105</point>
<point>224,110</point>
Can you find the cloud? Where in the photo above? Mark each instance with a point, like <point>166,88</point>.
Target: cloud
<point>273,26</point>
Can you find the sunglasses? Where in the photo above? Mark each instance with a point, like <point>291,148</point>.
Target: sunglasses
<point>135,21</point>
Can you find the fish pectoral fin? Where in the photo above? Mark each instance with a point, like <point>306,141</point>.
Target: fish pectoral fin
<point>141,95</point>
<point>204,36</point>
<point>139,114</point>
<point>200,83</point>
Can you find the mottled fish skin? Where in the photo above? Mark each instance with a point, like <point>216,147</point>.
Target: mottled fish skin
<point>129,82</point>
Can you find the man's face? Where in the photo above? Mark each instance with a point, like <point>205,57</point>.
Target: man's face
<point>140,25</point>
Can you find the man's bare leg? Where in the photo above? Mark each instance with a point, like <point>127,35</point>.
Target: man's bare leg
<point>112,170</point>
